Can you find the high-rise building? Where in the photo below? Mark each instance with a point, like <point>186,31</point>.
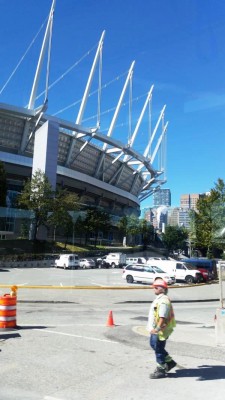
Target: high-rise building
<point>179,217</point>
<point>147,214</point>
<point>162,197</point>
<point>184,218</point>
<point>173,216</point>
<point>189,201</point>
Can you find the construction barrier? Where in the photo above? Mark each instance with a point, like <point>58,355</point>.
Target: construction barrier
<point>8,311</point>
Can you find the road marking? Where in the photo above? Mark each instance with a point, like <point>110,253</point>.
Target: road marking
<point>98,284</point>
<point>23,284</point>
<point>77,336</point>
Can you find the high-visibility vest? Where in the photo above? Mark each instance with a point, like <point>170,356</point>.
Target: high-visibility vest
<point>170,322</point>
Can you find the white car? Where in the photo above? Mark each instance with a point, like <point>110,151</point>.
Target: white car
<point>135,260</point>
<point>87,263</point>
<point>145,274</point>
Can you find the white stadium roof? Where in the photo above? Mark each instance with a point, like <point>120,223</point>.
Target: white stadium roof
<point>88,160</point>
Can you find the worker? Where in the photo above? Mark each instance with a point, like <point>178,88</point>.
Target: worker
<point>161,322</point>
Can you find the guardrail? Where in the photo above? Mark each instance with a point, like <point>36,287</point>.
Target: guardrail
<point>26,264</point>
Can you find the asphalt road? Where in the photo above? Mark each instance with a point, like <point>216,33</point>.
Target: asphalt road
<point>64,350</point>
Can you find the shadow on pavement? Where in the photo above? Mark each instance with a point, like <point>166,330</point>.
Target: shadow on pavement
<point>22,328</point>
<point>202,373</point>
<point>4,335</point>
<point>7,336</point>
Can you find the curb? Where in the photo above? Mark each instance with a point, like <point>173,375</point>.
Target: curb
<point>101,287</point>
<point>91,287</point>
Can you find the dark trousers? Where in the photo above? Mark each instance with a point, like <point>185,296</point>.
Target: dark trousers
<point>159,348</point>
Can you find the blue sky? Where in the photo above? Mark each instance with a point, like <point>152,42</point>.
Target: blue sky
<point>178,45</point>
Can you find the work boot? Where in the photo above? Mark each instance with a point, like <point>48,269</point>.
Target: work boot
<point>169,365</point>
<point>158,373</point>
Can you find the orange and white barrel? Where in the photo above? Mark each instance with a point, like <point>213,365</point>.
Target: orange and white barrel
<point>8,311</point>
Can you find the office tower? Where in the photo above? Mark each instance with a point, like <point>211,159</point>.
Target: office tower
<point>179,217</point>
<point>190,200</point>
<point>162,197</point>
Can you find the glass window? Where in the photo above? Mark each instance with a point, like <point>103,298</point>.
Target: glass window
<point>149,269</point>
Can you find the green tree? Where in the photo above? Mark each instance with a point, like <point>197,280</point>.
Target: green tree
<point>62,205</point>
<point>68,227</point>
<point>3,187</point>
<point>24,229</point>
<point>96,221</point>
<point>132,226</point>
<point>147,231</point>
<point>79,227</point>
<point>37,196</point>
<point>209,219</point>
<point>175,237</point>
<point>123,227</point>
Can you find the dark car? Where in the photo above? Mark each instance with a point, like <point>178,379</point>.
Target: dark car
<point>101,263</point>
<point>206,275</point>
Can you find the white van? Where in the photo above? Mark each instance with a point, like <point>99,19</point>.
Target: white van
<point>135,260</point>
<point>181,271</point>
<point>145,274</point>
<point>67,261</point>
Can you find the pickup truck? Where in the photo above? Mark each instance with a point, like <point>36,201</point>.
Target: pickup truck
<point>114,260</point>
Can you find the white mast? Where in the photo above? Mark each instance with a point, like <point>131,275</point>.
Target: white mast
<point>89,82</point>
<point>140,120</point>
<point>159,142</point>
<point>129,76</point>
<point>48,33</point>
<point>154,132</point>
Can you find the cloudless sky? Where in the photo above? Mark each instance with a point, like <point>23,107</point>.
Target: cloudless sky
<point>178,45</point>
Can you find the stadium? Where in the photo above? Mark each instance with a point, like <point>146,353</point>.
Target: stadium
<point>101,170</point>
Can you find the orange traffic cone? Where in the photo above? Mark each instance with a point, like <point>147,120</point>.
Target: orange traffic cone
<point>110,321</point>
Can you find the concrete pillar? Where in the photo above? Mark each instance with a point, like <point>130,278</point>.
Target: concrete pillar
<point>45,158</point>
<point>46,151</point>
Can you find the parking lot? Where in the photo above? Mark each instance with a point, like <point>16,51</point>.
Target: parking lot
<point>50,276</point>
<point>60,277</point>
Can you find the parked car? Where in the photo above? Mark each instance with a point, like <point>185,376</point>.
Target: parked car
<point>182,271</point>
<point>115,260</point>
<point>159,270</point>
<point>204,265</point>
<point>135,260</point>
<point>155,258</point>
<point>102,263</point>
<point>87,263</point>
<point>144,273</point>
<point>99,259</point>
